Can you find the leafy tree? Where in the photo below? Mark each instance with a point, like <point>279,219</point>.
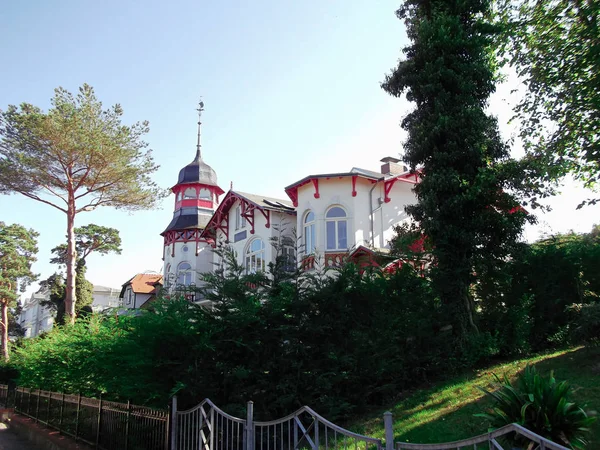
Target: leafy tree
<point>76,157</point>
<point>18,246</point>
<point>464,205</point>
<point>54,287</point>
<point>555,48</point>
<point>90,239</point>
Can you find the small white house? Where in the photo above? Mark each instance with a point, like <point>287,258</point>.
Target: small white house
<point>105,298</point>
<point>139,290</point>
<point>35,318</point>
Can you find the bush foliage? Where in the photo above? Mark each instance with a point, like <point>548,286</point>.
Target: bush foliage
<point>542,405</point>
<point>338,343</point>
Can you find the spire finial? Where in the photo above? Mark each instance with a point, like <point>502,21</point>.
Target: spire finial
<point>199,109</point>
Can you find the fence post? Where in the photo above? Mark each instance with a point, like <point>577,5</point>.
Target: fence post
<point>389,430</point>
<point>77,416</point>
<point>48,409</point>
<point>37,406</point>
<point>174,423</point>
<point>127,425</point>
<point>250,426</point>
<point>62,407</point>
<point>99,424</point>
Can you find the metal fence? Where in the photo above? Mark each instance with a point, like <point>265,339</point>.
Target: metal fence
<point>102,424</point>
<point>122,426</point>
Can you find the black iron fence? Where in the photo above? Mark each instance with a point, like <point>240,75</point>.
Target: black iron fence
<point>102,424</point>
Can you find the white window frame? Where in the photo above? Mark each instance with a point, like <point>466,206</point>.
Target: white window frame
<point>185,194</point>
<point>336,221</point>
<point>205,194</point>
<point>250,257</point>
<point>309,236</point>
<point>240,221</point>
<point>186,272</point>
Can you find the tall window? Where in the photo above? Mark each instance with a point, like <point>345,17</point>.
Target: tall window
<point>184,274</point>
<point>337,229</point>
<point>309,233</point>
<point>240,221</point>
<point>255,256</point>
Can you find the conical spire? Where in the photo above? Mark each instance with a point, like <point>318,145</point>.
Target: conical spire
<point>198,145</point>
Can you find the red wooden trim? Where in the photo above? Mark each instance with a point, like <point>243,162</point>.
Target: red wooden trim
<point>267,214</point>
<point>388,187</point>
<point>248,213</point>
<point>293,195</point>
<point>354,178</point>
<point>315,182</point>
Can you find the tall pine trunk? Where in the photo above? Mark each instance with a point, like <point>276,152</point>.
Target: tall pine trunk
<point>70,295</point>
<point>5,354</point>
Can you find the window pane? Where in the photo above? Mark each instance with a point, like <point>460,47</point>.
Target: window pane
<point>331,236</point>
<point>310,217</point>
<point>336,212</point>
<point>342,234</point>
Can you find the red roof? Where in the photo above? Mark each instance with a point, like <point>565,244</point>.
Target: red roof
<point>144,283</point>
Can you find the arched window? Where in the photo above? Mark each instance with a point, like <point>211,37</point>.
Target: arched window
<point>184,274</point>
<point>255,256</point>
<point>337,229</point>
<point>189,193</point>
<point>309,236</point>
<point>205,194</point>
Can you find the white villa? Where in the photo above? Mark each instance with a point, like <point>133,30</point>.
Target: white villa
<point>330,215</point>
<point>35,318</point>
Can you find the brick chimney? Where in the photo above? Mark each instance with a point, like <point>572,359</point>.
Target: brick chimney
<point>390,166</point>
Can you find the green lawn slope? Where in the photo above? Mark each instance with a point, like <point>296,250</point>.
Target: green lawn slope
<point>445,412</point>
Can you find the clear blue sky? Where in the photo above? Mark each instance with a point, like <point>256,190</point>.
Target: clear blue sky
<point>291,88</point>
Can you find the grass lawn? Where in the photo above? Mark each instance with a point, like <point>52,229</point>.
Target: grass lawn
<point>445,412</point>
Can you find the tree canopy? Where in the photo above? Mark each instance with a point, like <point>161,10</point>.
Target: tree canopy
<point>76,157</point>
<point>554,46</point>
<point>90,239</point>
<point>18,247</point>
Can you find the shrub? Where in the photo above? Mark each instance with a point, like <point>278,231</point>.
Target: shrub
<point>540,404</point>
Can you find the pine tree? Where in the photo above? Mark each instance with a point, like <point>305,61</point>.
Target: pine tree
<point>17,249</point>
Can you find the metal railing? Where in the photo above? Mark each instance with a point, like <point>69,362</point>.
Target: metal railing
<point>508,435</point>
<point>306,429</point>
<point>207,427</point>
<point>102,424</point>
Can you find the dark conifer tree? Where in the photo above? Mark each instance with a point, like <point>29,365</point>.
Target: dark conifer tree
<point>465,206</point>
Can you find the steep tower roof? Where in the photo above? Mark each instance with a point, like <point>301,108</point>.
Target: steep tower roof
<point>198,172</point>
